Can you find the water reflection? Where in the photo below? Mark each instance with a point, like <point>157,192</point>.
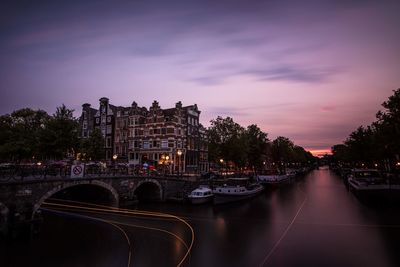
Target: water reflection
<point>333,228</point>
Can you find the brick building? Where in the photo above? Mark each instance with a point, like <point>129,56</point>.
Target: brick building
<point>172,140</point>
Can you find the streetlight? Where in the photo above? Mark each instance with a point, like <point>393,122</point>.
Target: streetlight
<point>114,157</point>
<point>179,160</point>
<point>167,163</point>
<point>222,165</point>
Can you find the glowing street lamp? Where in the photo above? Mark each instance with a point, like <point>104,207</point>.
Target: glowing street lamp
<point>166,162</point>
<point>179,160</point>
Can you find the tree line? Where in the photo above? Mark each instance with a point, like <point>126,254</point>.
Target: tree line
<point>376,145</point>
<point>28,134</point>
<point>232,144</point>
<point>34,135</point>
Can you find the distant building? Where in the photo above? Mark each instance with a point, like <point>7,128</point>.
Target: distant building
<point>172,140</point>
<point>86,120</point>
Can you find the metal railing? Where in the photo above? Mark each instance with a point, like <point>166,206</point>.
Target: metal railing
<point>19,173</point>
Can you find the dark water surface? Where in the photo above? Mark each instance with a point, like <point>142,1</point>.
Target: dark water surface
<point>314,221</point>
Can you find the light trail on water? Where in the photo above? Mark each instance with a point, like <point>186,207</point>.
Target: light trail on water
<point>118,211</point>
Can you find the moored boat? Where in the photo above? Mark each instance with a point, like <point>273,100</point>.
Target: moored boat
<point>236,189</point>
<point>367,182</point>
<point>274,179</point>
<point>200,195</point>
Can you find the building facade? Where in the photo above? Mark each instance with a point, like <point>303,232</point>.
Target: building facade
<point>171,140</point>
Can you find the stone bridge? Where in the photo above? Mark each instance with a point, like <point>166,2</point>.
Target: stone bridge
<point>21,200</point>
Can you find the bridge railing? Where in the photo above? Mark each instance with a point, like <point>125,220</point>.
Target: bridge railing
<point>21,173</point>
<point>15,173</point>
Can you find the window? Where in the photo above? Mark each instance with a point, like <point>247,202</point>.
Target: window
<point>109,129</point>
<point>171,143</point>
<point>164,143</point>
<point>97,120</point>
<point>146,132</point>
<point>146,145</point>
<point>108,142</point>
<point>118,113</point>
<point>170,130</point>
<point>84,125</point>
<point>103,119</point>
<point>109,119</point>
<point>163,131</point>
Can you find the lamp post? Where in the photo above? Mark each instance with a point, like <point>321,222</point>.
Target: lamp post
<point>166,162</point>
<point>114,157</point>
<point>179,160</point>
<point>222,165</point>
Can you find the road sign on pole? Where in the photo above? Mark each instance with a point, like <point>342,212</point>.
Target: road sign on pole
<point>77,171</point>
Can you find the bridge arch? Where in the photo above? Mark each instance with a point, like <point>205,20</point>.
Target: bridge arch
<point>61,187</point>
<point>148,190</point>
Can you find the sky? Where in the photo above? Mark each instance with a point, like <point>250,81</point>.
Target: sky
<point>312,71</point>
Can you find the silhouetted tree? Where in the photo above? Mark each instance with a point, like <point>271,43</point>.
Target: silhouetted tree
<point>256,142</point>
<point>227,141</point>
<point>21,132</point>
<point>60,138</point>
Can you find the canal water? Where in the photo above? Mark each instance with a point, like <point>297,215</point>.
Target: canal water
<point>314,221</point>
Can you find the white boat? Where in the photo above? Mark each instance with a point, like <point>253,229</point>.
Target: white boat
<point>200,195</point>
<point>367,181</point>
<point>236,189</point>
<point>274,179</point>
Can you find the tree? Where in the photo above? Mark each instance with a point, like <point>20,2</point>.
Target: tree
<point>60,138</point>
<point>361,145</point>
<point>340,153</point>
<point>256,141</point>
<point>5,136</point>
<point>378,142</point>
<point>388,128</point>
<point>282,151</point>
<point>20,134</point>
<point>226,141</point>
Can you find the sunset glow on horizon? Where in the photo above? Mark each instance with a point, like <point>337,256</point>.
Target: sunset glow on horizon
<point>312,71</point>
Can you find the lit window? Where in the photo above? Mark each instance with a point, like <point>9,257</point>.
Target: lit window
<point>164,143</point>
